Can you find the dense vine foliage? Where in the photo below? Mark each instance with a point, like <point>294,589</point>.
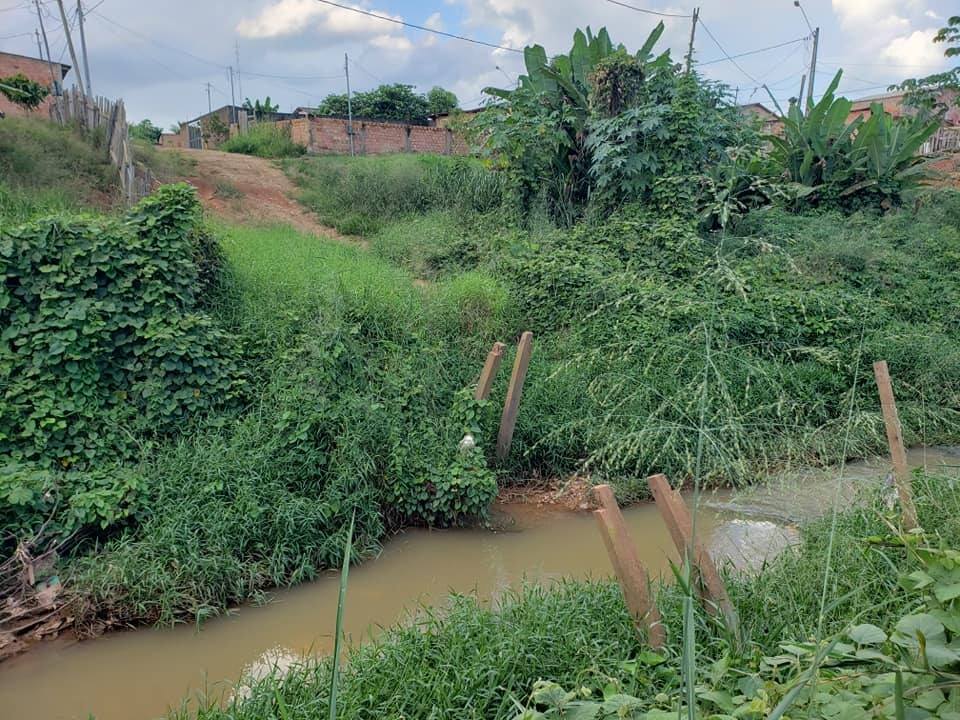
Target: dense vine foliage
<point>103,343</point>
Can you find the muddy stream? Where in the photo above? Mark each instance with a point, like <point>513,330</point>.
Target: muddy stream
<point>138,675</point>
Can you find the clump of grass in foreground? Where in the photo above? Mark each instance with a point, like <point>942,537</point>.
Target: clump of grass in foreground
<point>473,661</point>
<point>267,140</point>
<point>339,346</point>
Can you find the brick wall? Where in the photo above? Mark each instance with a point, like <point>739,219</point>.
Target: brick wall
<point>34,69</point>
<point>330,136</point>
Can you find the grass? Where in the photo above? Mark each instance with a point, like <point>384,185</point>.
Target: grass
<point>261,499</point>
<point>358,196</point>
<point>471,660</point>
<point>45,168</point>
<point>167,165</point>
<point>266,140</point>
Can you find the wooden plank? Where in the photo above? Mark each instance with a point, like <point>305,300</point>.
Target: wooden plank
<point>707,578</point>
<point>898,454</point>
<point>632,575</point>
<point>489,372</point>
<point>508,420</point>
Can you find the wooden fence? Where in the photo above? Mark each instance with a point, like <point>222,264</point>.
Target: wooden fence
<point>136,180</point>
<point>945,140</point>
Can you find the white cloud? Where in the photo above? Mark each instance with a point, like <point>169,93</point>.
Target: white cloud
<point>293,17</point>
<point>916,49</point>
<point>434,22</point>
<point>393,43</point>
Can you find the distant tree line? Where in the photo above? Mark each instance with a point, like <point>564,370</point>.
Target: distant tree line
<point>397,102</point>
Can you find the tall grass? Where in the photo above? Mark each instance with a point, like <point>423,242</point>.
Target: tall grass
<point>267,140</point>
<point>47,168</point>
<point>361,195</point>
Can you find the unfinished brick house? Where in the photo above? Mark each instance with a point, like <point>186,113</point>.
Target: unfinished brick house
<point>50,75</point>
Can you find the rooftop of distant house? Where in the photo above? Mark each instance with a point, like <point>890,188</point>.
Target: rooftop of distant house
<point>64,68</point>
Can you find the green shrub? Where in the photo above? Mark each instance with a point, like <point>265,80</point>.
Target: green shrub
<point>102,338</point>
<point>267,140</point>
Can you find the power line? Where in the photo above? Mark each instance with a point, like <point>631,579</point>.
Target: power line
<point>11,37</point>
<point>418,27</point>
<point>648,12</point>
<point>293,77</point>
<point>754,52</point>
<point>727,55</point>
<point>160,44</point>
<point>367,72</point>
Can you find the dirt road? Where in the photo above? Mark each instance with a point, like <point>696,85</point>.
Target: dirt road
<point>248,190</point>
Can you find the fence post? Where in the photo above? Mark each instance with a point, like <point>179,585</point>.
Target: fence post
<point>490,367</point>
<point>633,577</point>
<point>705,576</point>
<point>891,419</point>
<point>508,420</point>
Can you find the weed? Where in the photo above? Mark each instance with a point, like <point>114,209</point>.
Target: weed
<point>228,191</point>
<point>267,140</point>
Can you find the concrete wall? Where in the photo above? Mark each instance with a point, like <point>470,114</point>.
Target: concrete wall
<point>36,70</point>
<point>330,136</point>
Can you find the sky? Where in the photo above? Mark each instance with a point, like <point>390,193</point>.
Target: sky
<point>159,57</point>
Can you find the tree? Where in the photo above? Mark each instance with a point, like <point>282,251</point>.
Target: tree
<point>333,105</point>
<point>23,91</point>
<point>174,128</point>
<point>260,109</point>
<point>146,130</point>
<point>441,101</point>
<point>397,102</point>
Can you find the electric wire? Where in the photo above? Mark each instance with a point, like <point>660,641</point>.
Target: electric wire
<point>727,55</point>
<point>753,52</point>
<point>647,11</point>
<point>418,27</point>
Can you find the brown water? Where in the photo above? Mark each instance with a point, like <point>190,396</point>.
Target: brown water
<point>137,675</point>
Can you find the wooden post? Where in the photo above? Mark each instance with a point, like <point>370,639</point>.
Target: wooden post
<point>489,372</point>
<point>898,454</point>
<point>706,577</point>
<point>630,571</point>
<point>508,420</point>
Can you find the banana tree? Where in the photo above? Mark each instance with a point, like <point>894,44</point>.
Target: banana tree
<point>541,125</point>
<point>840,158</point>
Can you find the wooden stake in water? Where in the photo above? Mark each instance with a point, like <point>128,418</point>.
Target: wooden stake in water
<point>489,372</point>
<point>631,573</point>
<point>891,418</point>
<point>707,578</point>
<point>508,420</point>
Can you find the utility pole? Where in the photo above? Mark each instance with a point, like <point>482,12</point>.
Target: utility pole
<point>346,69</point>
<point>83,48</point>
<point>693,35</point>
<point>800,101</point>
<point>39,44</point>
<point>209,101</point>
<point>57,89</point>
<point>233,100</point>
<point>239,81</point>
<point>813,65</point>
<point>73,51</point>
